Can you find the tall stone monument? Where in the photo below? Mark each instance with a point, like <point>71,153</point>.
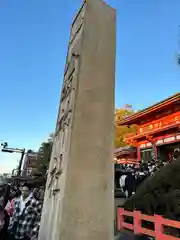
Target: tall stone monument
<point>79,198</point>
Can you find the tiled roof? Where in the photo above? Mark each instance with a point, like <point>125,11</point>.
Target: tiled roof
<point>127,148</point>
<point>153,108</point>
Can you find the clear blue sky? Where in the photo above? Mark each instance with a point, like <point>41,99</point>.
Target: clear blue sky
<point>33,43</point>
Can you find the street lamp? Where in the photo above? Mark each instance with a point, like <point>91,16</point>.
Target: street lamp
<point>5,148</point>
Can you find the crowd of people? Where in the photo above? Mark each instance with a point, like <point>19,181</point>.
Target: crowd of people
<point>134,175</point>
<point>20,212</point>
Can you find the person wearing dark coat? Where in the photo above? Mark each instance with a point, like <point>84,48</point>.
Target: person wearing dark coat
<point>6,194</point>
<point>130,183</point>
<point>4,221</point>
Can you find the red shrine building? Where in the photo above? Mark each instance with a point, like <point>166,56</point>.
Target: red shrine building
<point>158,130</point>
<point>125,155</point>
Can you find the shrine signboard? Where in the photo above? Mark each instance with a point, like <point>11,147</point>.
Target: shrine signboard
<point>161,141</point>
<point>168,121</point>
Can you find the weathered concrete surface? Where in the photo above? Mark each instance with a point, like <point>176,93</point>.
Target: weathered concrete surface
<point>84,207</point>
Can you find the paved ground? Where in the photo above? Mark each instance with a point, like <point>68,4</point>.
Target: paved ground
<point>117,202</point>
<point>129,236</point>
<point>125,235</point>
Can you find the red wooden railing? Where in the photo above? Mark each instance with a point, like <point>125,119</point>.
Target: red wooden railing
<point>159,224</point>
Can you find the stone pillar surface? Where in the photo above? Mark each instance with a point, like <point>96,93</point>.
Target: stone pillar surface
<point>79,198</point>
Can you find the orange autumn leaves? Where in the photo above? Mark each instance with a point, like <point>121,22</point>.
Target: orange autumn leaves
<point>121,131</point>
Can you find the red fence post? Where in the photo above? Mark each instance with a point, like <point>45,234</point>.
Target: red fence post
<point>120,218</point>
<point>158,227</point>
<point>137,222</point>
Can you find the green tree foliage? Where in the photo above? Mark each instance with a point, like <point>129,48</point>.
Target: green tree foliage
<point>44,157</point>
<point>121,131</point>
